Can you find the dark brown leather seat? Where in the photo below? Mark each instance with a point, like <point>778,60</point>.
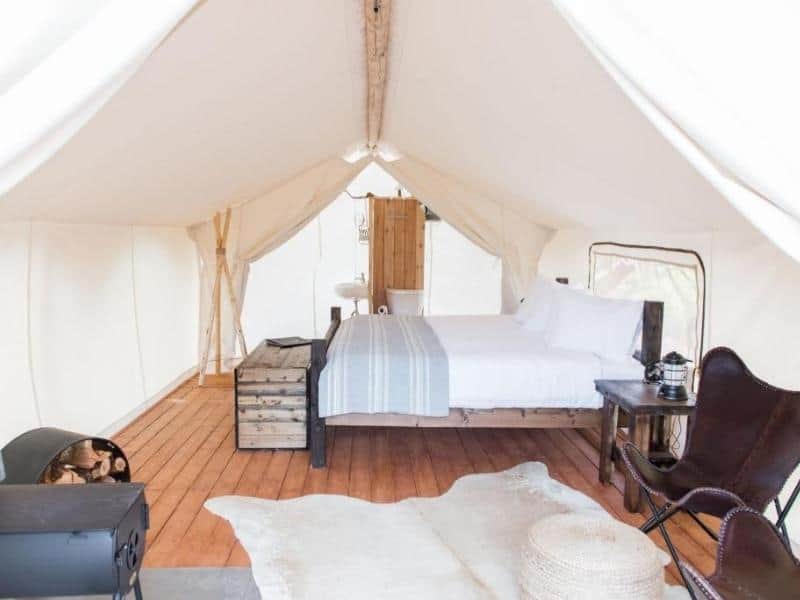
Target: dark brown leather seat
<point>753,561</point>
<point>742,446</point>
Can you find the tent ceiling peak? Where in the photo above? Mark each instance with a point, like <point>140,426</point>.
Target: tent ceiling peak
<point>377,16</point>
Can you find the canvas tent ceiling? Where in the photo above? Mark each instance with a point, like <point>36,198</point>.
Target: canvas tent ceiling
<point>514,120</point>
<point>227,107</point>
<point>245,95</point>
<point>517,105</point>
<point>58,79</point>
<point>727,106</point>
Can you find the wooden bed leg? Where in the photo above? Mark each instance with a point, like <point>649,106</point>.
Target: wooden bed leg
<point>316,424</point>
<point>608,436</point>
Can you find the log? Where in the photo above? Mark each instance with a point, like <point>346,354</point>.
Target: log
<point>82,463</point>
<point>83,455</point>
<point>101,469</point>
<point>68,476</point>
<point>119,465</point>
<point>53,471</point>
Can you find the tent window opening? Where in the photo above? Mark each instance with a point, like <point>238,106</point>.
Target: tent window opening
<point>291,288</point>
<point>673,276</point>
<point>461,278</point>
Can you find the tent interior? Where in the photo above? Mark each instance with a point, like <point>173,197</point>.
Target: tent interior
<point>459,276</point>
<point>536,130</point>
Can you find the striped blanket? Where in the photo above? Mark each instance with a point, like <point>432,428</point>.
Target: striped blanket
<point>385,364</point>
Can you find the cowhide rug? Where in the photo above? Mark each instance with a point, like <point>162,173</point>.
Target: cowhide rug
<point>465,544</point>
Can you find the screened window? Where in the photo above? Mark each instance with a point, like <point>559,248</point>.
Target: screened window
<point>675,277</point>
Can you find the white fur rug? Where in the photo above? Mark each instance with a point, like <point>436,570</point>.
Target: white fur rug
<point>465,544</point>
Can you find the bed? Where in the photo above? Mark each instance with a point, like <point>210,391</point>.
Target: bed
<point>498,376</point>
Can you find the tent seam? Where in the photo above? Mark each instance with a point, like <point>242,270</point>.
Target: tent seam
<point>237,265</point>
<point>136,316</point>
<point>36,406</point>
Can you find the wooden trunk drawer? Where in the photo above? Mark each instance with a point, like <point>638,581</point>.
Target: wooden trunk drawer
<point>272,389</point>
<point>268,375</point>
<point>270,440</point>
<point>272,428</point>
<point>285,402</point>
<point>248,414</point>
<point>272,435</point>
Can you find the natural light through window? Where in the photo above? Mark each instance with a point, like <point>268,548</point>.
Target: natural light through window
<point>671,276</point>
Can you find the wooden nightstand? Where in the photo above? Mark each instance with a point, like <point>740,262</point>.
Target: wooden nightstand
<point>646,412</point>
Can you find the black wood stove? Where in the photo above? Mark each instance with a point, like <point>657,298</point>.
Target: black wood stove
<point>58,540</point>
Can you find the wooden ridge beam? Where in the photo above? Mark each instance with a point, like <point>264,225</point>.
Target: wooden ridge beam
<point>377,16</point>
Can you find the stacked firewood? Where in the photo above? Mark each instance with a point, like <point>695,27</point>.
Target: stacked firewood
<point>83,463</point>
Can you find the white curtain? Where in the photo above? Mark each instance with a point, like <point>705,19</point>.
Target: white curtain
<point>266,222</point>
<point>259,226</point>
<point>74,57</point>
<point>460,277</point>
<point>718,79</point>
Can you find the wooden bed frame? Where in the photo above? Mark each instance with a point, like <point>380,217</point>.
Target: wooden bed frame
<point>649,352</point>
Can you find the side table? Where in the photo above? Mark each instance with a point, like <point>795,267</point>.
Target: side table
<point>646,411</point>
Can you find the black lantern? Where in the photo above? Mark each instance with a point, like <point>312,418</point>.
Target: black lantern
<point>675,374</point>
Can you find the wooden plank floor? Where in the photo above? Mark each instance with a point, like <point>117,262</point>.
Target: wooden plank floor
<point>183,450</point>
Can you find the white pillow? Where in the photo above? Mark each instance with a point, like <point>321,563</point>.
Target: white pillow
<point>535,311</point>
<point>604,326</point>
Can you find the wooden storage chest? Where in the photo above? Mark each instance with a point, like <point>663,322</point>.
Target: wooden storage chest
<point>272,397</point>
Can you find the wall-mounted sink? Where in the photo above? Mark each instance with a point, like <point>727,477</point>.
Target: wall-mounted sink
<point>352,290</point>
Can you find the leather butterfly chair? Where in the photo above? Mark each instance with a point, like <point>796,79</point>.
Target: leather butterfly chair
<point>753,561</point>
<point>742,446</point>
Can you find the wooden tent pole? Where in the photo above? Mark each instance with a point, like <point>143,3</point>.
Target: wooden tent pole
<point>229,280</point>
<point>215,318</point>
<point>217,294</point>
<point>237,321</point>
<point>210,327</point>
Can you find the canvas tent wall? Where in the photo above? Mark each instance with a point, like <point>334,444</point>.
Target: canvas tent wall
<point>100,319</point>
<point>534,127</point>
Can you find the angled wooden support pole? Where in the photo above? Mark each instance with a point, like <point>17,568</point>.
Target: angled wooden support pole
<point>214,325</point>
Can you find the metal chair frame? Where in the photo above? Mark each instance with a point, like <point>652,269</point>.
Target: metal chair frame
<point>660,516</point>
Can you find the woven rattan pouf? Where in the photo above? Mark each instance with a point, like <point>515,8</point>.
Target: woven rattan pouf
<point>580,555</point>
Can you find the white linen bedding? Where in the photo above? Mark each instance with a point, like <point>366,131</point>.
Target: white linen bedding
<point>494,362</point>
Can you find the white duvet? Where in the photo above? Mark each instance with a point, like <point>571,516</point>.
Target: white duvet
<point>495,363</point>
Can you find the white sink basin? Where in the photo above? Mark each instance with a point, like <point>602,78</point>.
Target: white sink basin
<point>352,290</point>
